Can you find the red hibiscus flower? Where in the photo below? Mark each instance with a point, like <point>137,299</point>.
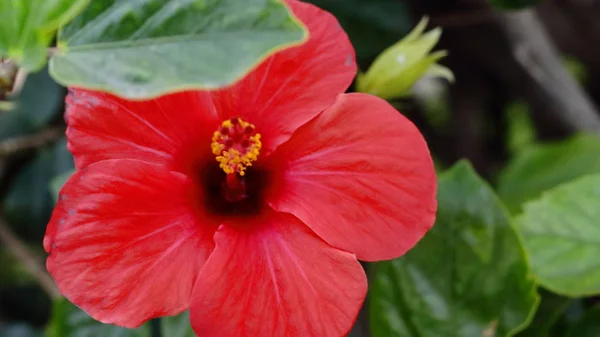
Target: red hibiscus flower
<point>249,206</point>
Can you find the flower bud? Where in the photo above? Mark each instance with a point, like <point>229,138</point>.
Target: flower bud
<point>394,71</point>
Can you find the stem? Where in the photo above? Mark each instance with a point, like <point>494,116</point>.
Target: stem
<point>155,327</point>
<point>30,262</point>
<point>44,137</point>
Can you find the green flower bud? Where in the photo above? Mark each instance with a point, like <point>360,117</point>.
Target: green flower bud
<point>395,70</point>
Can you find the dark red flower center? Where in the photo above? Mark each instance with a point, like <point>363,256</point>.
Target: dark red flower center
<point>234,186</point>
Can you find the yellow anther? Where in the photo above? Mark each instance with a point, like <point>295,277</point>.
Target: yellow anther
<point>236,145</point>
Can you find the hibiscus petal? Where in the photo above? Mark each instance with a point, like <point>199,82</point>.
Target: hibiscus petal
<point>293,86</point>
<point>169,129</point>
<point>361,176</point>
<point>126,241</point>
<point>278,280</point>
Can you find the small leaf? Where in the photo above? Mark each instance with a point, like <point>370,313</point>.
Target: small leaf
<point>588,325</point>
<point>27,28</point>
<point>467,277</point>
<point>141,49</point>
<point>513,4</point>
<point>561,233</point>
<point>544,166</point>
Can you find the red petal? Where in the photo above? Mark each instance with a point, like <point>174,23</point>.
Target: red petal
<point>279,280</point>
<point>361,176</point>
<point>293,86</point>
<point>126,242</point>
<point>168,130</point>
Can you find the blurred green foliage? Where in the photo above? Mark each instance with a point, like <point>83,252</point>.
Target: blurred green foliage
<point>467,277</point>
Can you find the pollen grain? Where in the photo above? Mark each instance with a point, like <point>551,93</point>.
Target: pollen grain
<point>236,145</point>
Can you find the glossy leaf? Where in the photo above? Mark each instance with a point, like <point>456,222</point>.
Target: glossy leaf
<point>467,277</point>
<point>513,4</point>
<point>544,166</point>
<point>145,48</point>
<point>588,325</point>
<point>28,27</point>
<point>561,234</point>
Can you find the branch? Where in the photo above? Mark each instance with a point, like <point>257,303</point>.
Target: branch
<point>13,145</point>
<point>29,261</point>
<point>537,55</point>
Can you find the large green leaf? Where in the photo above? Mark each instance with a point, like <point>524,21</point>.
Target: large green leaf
<point>467,277</point>
<point>542,167</point>
<point>561,234</point>
<point>27,27</point>
<point>588,325</point>
<point>144,48</point>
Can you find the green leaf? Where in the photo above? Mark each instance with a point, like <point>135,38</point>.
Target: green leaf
<point>561,233</point>
<point>177,326</point>
<point>69,321</point>
<point>544,166</point>
<point>28,27</point>
<point>144,48</point>
<point>513,4</point>
<point>467,277</point>
<point>28,202</point>
<point>588,325</point>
